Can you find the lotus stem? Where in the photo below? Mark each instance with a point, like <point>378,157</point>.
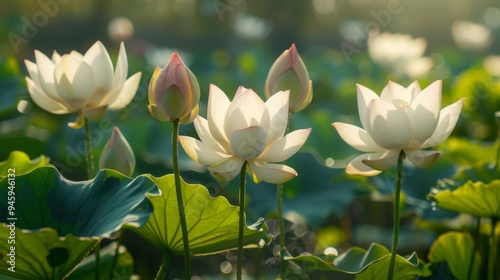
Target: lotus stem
<point>88,148</point>
<point>241,222</point>
<point>180,204</point>
<point>395,235</point>
<point>164,266</point>
<point>281,222</point>
<point>492,271</point>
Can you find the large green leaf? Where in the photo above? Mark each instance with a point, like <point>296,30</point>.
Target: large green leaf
<point>475,198</point>
<point>457,249</point>
<point>94,208</point>
<point>374,263</point>
<point>123,269</point>
<point>467,152</point>
<point>212,222</point>
<point>41,254</point>
<point>20,163</point>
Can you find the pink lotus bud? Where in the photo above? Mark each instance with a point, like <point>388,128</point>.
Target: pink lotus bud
<point>117,154</point>
<point>174,92</point>
<point>290,73</point>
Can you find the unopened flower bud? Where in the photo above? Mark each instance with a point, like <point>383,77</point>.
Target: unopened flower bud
<point>290,73</point>
<point>174,92</point>
<point>117,154</point>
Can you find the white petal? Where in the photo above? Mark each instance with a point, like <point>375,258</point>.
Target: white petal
<point>102,68</point>
<point>126,93</point>
<point>203,131</point>
<point>356,137</point>
<point>46,75</point>
<point>239,91</point>
<point>246,109</point>
<point>200,152</point>
<point>277,106</point>
<point>382,162</point>
<point>392,91</point>
<point>365,95</point>
<point>75,81</point>
<point>273,173</point>
<point>423,159</point>
<point>248,143</point>
<point>121,68</point>
<point>410,92</point>
<point>285,147</point>
<point>357,167</point>
<point>424,112</point>
<point>226,170</point>
<point>388,125</point>
<point>33,72</point>
<point>43,101</point>
<point>218,104</point>
<point>56,57</point>
<point>448,118</point>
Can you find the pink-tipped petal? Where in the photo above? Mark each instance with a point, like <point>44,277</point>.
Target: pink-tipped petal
<point>226,170</point>
<point>388,125</point>
<point>356,137</point>
<point>448,118</point>
<point>423,159</point>
<point>200,152</point>
<point>392,91</point>
<point>273,173</point>
<point>286,147</point>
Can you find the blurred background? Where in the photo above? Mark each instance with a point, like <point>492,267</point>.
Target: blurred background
<point>234,42</point>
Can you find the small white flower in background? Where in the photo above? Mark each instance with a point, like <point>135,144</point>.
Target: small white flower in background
<point>117,154</point>
<point>245,130</point>
<point>471,36</point>
<point>401,53</point>
<point>86,84</point>
<point>120,29</point>
<point>492,65</point>
<point>401,119</point>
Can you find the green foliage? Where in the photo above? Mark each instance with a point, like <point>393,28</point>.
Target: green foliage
<point>123,269</point>
<point>42,254</point>
<point>475,198</point>
<point>212,223</point>
<point>374,263</point>
<point>21,163</point>
<point>465,152</point>
<point>94,208</point>
<point>10,86</point>
<point>456,249</point>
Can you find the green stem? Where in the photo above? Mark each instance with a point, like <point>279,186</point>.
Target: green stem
<point>241,221</point>
<point>88,148</point>
<point>475,237</point>
<point>281,222</point>
<point>164,266</point>
<point>180,204</point>
<point>395,235</point>
<point>492,272</point>
<point>497,159</point>
<point>115,257</point>
<point>97,253</point>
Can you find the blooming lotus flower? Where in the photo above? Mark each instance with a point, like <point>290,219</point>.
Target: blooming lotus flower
<point>117,154</point>
<point>471,36</point>
<point>86,84</point>
<point>400,53</point>
<point>174,92</point>
<point>401,119</point>
<point>289,72</point>
<point>245,130</point>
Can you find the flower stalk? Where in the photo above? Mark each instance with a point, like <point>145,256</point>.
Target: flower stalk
<point>241,225</point>
<point>180,203</point>
<point>88,149</point>
<point>395,235</point>
<point>164,266</point>
<point>492,271</point>
<point>281,222</point>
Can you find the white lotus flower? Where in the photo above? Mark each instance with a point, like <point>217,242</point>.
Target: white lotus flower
<point>471,36</point>
<point>86,84</point>
<point>401,119</point>
<point>245,130</point>
<point>401,53</point>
